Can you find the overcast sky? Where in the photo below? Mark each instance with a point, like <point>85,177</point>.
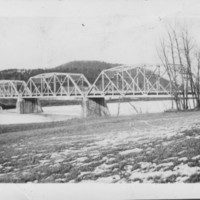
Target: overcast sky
<point>48,33</point>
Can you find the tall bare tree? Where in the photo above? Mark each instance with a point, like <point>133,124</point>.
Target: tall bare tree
<point>177,53</point>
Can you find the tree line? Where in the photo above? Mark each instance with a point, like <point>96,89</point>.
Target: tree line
<point>90,69</point>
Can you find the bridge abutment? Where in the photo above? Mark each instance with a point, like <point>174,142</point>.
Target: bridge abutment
<point>30,105</point>
<point>93,107</point>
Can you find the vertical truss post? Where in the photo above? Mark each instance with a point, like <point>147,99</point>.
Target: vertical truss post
<point>137,82</point>
<point>30,86</point>
<point>122,71</point>
<point>158,79</point>
<point>82,82</point>
<point>41,92</point>
<point>103,82</point>
<point>68,89</point>
<point>117,78</point>
<point>144,75</point>
<point>54,84</point>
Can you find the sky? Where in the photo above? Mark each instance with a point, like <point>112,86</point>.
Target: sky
<point>47,33</point>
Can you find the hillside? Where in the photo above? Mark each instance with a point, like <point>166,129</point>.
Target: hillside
<point>90,69</point>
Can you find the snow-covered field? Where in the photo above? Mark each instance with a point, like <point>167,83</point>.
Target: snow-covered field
<point>59,113</point>
<point>156,148</point>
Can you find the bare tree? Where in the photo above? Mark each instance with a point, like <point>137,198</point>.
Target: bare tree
<point>177,52</point>
<point>197,79</point>
<point>167,57</point>
<point>182,70</point>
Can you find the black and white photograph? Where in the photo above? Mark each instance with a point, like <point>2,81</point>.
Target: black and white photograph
<point>100,98</point>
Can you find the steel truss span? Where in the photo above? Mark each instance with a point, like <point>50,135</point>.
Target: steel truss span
<point>132,81</point>
<point>122,81</point>
<point>56,85</point>
<point>48,85</point>
<point>11,88</point>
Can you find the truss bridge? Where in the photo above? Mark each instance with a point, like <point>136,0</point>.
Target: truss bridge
<point>123,81</point>
<point>118,82</point>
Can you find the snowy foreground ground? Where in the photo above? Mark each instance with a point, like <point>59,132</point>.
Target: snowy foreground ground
<point>152,148</point>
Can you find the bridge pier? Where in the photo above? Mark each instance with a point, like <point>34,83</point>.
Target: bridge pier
<point>30,105</point>
<point>94,107</point>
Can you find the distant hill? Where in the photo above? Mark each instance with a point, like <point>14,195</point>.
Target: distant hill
<point>90,69</point>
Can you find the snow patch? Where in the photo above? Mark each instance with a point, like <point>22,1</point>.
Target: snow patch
<point>170,159</point>
<point>147,165</point>
<point>59,160</point>
<point>146,176</point>
<point>184,169</point>
<point>81,159</point>
<point>55,155</point>
<point>196,157</point>
<point>127,152</point>
<point>43,162</point>
<point>166,164</point>
<point>109,179</point>
<point>103,168</point>
<point>183,159</point>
